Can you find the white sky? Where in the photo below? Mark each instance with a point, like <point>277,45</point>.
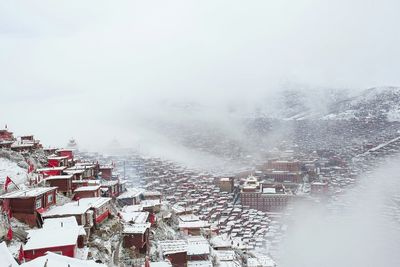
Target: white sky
<point>88,68</point>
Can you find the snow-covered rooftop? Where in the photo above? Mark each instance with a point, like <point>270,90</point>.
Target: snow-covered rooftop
<point>57,157</point>
<point>199,264</point>
<point>134,217</point>
<point>69,222</point>
<point>172,246</point>
<point>51,169</point>
<point>197,245</point>
<point>194,224</point>
<point>76,207</point>
<point>52,237</point>
<point>6,258</point>
<point>59,177</point>
<point>87,188</point>
<point>131,193</point>
<point>109,183</point>
<point>136,228</point>
<point>55,260</point>
<point>160,264</point>
<point>132,208</point>
<point>150,203</point>
<point>27,193</point>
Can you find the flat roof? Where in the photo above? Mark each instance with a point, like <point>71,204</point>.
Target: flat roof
<point>53,259</point>
<point>51,169</point>
<point>109,183</point>
<point>76,207</point>
<point>204,263</point>
<point>172,246</point>
<point>131,193</point>
<point>52,237</point>
<point>135,216</point>
<point>87,188</point>
<point>28,193</point>
<point>198,246</point>
<point>57,157</point>
<point>139,228</point>
<point>59,177</point>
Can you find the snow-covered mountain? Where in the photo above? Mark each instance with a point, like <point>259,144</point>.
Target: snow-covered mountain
<point>375,103</point>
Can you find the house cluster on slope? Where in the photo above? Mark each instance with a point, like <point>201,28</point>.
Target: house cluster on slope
<point>25,143</point>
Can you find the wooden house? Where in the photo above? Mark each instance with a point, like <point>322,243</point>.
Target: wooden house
<point>110,188</point>
<point>89,212</point>
<point>63,182</point>
<point>57,161</point>
<point>106,172</point>
<point>51,171</point>
<point>60,236</point>
<point>27,205</point>
<point>131,196</point>
<point>6,135</point>
<point>87,191</point>
<point>136,236</point>
<point>175,251</point>
<point>66,152</point>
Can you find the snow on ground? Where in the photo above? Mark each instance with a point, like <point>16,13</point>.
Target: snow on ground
<point>11,169</point>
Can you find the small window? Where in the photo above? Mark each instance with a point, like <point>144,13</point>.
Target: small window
<point>50,198</point>
<point>38,203</point>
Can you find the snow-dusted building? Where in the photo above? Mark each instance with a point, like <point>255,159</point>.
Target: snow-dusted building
<point>89,212</point>
<point>27,205</point>
<point>51,259</point>
<point>60,235</point>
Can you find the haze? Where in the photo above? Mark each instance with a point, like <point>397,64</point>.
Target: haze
<point>97,70</point>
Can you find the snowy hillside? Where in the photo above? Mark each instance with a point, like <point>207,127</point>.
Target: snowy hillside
<point>374,103</point>
<point>11,169</point>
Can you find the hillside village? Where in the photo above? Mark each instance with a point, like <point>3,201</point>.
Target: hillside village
<point>65,207</point>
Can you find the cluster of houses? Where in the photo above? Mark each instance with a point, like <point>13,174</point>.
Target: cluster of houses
<point>26,143</point>
<point>86,191</point>
<point>201,207</point>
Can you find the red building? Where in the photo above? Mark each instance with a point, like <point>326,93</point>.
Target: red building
<point>66,152</point>
<point>26,205</point>
<point>87,191</point>
<point>51,171</point>
<point>106,172</point>
<point>264,197</point>
<point>137,236</point>
<point>6,135</point>
<point>284,165</point>
<point>88,171</point>
<point>57,161</point>
<point>89,212</point>
<point>110,188</point>
<point>63,182</point>
<point>60,236</point>
<point>175,251</point>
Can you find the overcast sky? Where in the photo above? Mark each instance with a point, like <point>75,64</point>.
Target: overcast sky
<point>89,68</point>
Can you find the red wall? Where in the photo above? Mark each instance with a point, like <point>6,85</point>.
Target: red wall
<point>86,194</point>
<point>52,172</point>
<point>68,154</point>
<point>66,251</point>
<point>101,217</point>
